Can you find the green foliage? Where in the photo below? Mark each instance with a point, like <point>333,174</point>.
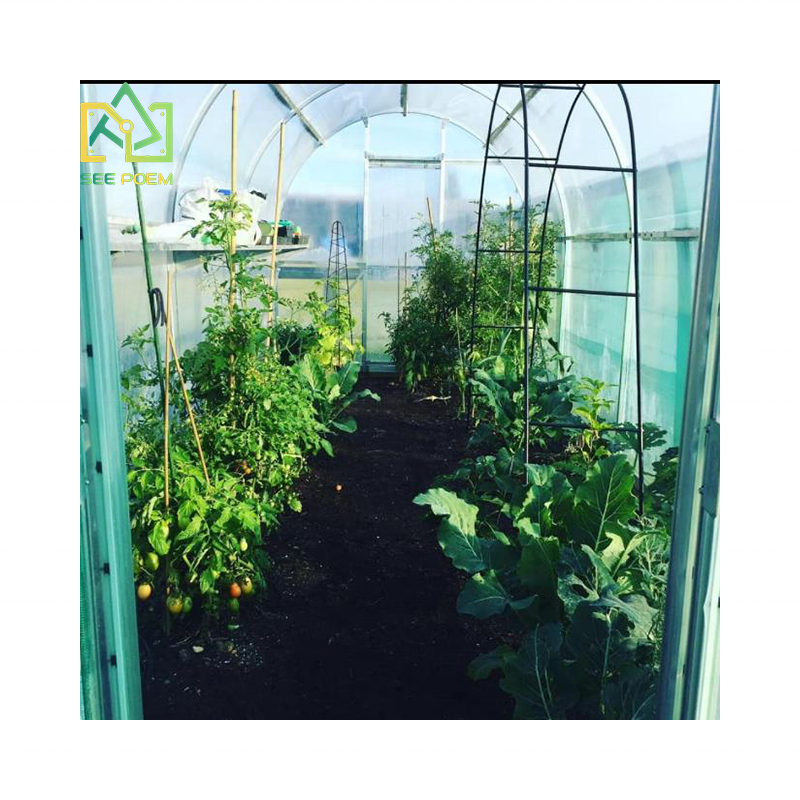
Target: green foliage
<point>561,546</point>
<point>426,340</point>
<point>259,418</point>
<point>332,393</point>
<point>430,338</point>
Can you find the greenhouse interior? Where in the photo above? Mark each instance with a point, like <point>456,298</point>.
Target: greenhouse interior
<point>399,401</point>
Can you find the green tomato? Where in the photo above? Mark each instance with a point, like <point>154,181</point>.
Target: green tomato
<point>174,604</point>
<point>243,544</point>
<point>233,605</point>
<point>187,604</point>
<point>151,561</point>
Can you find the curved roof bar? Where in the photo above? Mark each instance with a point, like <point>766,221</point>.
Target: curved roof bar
<point>186,144</point>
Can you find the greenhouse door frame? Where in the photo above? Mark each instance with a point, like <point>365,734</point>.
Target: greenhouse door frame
<point>110,679</point>
<point>440,162</point>
<point>689,687</point>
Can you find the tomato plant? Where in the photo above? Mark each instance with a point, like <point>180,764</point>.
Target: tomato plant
<point>260,415</point>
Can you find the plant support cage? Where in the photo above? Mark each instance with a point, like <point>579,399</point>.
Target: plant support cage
<point>337,281</point>
<point>552,164</point>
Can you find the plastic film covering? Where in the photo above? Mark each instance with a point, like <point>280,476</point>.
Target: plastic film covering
<point>335,138</point>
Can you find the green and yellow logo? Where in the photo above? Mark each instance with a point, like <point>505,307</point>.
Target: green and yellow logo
<point>126,128</point>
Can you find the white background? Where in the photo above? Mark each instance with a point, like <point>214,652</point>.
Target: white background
<point>47,47</point>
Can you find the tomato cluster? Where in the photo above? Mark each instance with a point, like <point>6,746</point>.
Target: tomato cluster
<point>178,604</point>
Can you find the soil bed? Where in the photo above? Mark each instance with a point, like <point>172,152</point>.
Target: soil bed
<point>360,619</point>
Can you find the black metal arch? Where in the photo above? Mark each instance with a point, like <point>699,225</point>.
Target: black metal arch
<point>529,336</point>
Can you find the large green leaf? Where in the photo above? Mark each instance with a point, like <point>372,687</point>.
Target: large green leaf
<point>192,529</point>
<point>527,530</point>
<point>631,694</point>
<point>347,376</point>
<point>575,579</point>
<point>548,491</point>
<point>601,579</point>
<point>483,596</point>
<point>313,372</point>
<point>600,643</point>
<point>463,548</point>
<point>633,607</point>
<point>486,663</point>
<point>348,425</point>
<point>535,677</point>
<point>158,539</point>
<point>605,500</point>
<point>445,503</point>
<point>537,566</point>
<point>185,512</point>
<point>620,549</point>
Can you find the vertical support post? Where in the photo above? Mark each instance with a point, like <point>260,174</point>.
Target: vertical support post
<point>364,306</point>
<point>234,148</point>
<point>526,284</point>
<point>234,168</point>
<point>277,219</point>
<point>365,233</point>
<point>442,167</point>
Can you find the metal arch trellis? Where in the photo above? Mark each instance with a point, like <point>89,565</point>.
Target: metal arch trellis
<point>337,281</point>
<point>528,329</point>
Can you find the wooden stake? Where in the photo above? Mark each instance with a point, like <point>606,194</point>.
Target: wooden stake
<point>166,391</point>
<point>398,288</point>
<point>234,168</point>
<point>277,218</point>
<point>171,344</point>
<point>234,150</point>
<point>433,227</point>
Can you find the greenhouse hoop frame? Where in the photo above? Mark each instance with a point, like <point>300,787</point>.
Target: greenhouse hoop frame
<point>553,163</point>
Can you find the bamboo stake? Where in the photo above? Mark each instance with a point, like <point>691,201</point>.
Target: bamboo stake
<point>234,167</point>
<point>171,343</point>
<point>510,261</point>
<point>230,255</point>
<point>433,228</point>
<point>166,392</point>
<point>277,217</point>
<point>234,139</point>
<point>398,288</point>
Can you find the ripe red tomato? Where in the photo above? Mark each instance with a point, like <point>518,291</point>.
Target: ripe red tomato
<point>235,590</point>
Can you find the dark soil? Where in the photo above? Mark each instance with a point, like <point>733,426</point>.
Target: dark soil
<point>359,621</point>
